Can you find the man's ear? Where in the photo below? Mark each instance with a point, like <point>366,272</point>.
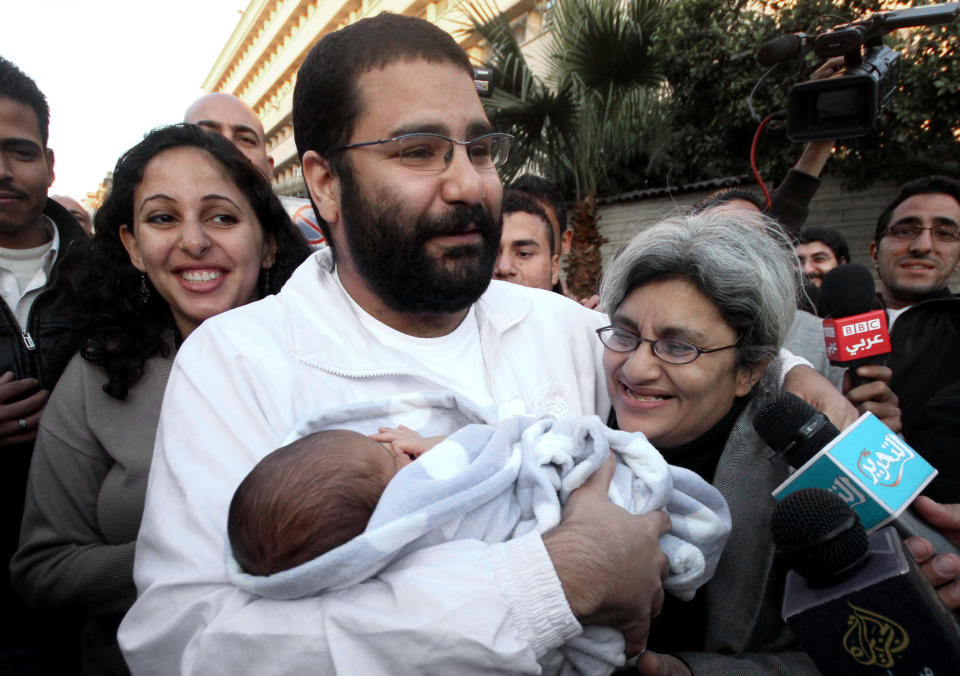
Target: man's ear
<point>50,175</point>
<point>873,251</point>
<point>323,185</point>
<point>554,269</point>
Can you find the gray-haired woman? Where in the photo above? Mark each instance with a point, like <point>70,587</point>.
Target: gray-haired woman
<point>699,306</point>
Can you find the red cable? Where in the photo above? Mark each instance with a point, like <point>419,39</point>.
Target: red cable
<point>753,159</point>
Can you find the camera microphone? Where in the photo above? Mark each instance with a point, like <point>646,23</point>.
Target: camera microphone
<point>783,48</point>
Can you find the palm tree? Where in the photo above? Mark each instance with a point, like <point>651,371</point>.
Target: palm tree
<point>594,105</point>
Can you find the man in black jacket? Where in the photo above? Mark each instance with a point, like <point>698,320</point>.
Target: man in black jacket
<point>35,233</point>
<point>916,249</point>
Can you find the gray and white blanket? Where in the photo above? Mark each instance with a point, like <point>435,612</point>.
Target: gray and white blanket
<point>495,480</point>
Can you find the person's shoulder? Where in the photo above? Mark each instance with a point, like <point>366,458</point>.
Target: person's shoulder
<point>541,303</point>
<point>246,324</point>
<point>261,329</point>
<point>67,226</point>
<point>805,325</point>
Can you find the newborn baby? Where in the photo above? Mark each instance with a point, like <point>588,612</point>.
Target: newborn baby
<point>336,508</point>
<point>311,496</point>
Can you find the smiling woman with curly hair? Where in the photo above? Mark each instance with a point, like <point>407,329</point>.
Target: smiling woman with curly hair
<point>189,229</point>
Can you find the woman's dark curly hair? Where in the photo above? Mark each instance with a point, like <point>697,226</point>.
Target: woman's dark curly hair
<point>113,326</point>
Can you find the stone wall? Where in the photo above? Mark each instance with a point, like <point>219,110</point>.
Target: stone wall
<point>852,214</point>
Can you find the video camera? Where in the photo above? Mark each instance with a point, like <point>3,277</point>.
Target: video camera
<point>847,106</point>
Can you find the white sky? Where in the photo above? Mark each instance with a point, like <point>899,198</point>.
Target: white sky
<point>112,70</point>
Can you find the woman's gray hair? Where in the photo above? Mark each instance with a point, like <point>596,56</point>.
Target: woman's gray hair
<point>741,260</point>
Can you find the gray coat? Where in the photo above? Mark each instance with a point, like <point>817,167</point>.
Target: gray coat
<point>744,631</point>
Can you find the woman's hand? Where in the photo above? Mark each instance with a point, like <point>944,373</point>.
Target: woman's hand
<point>655,664</point>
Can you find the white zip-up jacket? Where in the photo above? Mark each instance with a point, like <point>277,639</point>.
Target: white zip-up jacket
<point>240,384</point>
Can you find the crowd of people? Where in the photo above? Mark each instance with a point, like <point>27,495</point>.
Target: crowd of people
<point>414,304</point>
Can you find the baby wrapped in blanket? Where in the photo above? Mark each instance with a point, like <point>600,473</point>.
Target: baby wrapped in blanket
<point>335,508</point>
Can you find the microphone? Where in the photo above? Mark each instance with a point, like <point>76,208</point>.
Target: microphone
<point>868,466</point>
<point>783,48</point>
<point>858,604</point>
<point>855,324</point>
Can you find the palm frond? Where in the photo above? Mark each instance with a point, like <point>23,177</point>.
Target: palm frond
<point>586,110</point>
<point>600,42</point>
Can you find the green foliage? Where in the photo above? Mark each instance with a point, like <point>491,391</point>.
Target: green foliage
<point>596,104</point>
<point>708,49</point>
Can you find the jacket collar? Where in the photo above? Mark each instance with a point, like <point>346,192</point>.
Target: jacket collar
<point>746,475</point>
<point>67,226</point>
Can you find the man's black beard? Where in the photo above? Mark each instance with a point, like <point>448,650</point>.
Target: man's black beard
<point>391,255</point>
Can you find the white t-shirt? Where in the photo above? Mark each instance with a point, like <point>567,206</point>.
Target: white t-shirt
<point>453,361</point>
<point>893,314</point>
<point>25,272</point>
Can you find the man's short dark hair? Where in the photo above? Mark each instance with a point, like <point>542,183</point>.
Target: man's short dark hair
<point>325,100</point>
<point>20,87</point>
<point>326,104</point>
<point>725,196</point>
<point>546,191</point>
<point>926,185</point>
<point>829,237</point>
<point>517,201</point>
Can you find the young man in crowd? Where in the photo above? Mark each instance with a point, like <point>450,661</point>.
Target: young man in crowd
<point>916,245</point>
<point>35,235</point>
<point>916,248</point>
<point>527,253</point>
<point>549,197</point>
<point>819,251</point>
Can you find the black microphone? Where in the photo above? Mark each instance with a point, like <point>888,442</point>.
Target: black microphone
<point>858,604</point>
<point>783,49</point>
<point>796,432</point>
<point>848,292</point>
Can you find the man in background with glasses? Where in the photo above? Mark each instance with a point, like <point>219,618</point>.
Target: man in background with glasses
<point>916,248</point>
<point>916,245</point>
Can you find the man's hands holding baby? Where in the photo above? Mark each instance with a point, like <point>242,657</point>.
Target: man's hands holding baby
<point>609,561</point>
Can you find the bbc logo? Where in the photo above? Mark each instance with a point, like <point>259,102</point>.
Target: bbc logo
<point>861,327</point>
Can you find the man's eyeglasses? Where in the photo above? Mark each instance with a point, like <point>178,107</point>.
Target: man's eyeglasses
<point>670,350</point>
<point>434,152</point>
<point>941,233</point>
